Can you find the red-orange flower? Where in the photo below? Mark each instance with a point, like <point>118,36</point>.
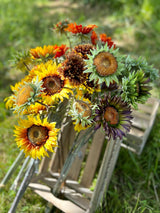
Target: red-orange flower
<point>60,50</point>
<point>104,39</point>
<point>94,37</point>
<point>74,28</point>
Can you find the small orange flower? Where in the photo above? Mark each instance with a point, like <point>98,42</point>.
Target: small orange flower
<point>61,26</point>
<point>74,28</point>
<point>94,38</point>
<point>104,39</point>
<point>60,50</point>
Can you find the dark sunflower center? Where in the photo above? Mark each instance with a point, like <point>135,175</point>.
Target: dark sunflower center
<point>53,84</point>
<point>23,95</point>
<point>82,106</point>
<point>106,63</point>
<point>111,115</point>
<point>37,135</point>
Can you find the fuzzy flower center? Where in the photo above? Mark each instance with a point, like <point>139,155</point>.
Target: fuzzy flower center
<point>52,84</point>
<point>37,135</point>
<point>83,107</point>
<point>106,63</point>
<point>24,94</point>
<point>111,115</point>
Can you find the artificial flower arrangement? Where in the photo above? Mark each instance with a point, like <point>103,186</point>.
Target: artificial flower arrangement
<point>86,80</point>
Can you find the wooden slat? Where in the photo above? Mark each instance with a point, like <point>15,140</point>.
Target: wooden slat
<point>79,188</point>
<point>69,193</point>
<point>137,132</point>
<point>64,205</point>
<point>105,173</point>
<point>70,183</point>
<point>76,198</point>
<point>76,167</point>
<point>132,143</point>
<point>142,125</point>
<point>44,165</point>
<point>65,141</point>
<point>93,158</point>
<point>151,122</point>
<point>141,115</point>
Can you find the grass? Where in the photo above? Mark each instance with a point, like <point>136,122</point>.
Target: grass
<point>135,184</point>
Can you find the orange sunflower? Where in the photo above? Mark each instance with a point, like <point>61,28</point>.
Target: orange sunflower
<point>35,136</point>
<point>54,87</point>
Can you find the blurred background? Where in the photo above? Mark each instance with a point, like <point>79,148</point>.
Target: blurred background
<point>134,26</point>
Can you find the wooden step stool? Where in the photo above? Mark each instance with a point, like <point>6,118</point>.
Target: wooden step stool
<point>96,160</point>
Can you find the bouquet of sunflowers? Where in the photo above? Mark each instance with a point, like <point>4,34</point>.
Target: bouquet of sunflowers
<point>86,80</point>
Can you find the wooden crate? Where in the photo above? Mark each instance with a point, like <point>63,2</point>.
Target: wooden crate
<point>96,159</point>
<point>91,162</point>
<point>141,126</point>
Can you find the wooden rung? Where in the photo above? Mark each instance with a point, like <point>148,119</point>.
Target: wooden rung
<point>71,184</point>
<point>75,197</point>
<point>69,193</point>
<point>140,123</point>
<point>149,105</point>
<point>135,131</point>
<point>64,205</point>
<point>79,188</point>
<point>142,115</point>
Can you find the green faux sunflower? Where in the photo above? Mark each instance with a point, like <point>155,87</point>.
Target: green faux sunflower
<point>22,61</point>
<point>104,65</point>
<point>143,87</point>
<point>135,64</point>
<point>129,89</point>
<point>135,88</point>
<point>24,95</point>
<point>82,112</point>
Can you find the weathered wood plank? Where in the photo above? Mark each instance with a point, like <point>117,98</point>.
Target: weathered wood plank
<point>76,167</point>
<point>76,198</point>
<point>142,125</point>
<point>105,173</point>
<point>65,141</point>
<point>93,158</point>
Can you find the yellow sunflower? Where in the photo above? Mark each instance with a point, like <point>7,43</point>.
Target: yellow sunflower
<point>35,136</point>
<point>78,127</point>
<point>34,109</point>
<point>9,102</point>
<point>44,51</point>
<point>54,87</point>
